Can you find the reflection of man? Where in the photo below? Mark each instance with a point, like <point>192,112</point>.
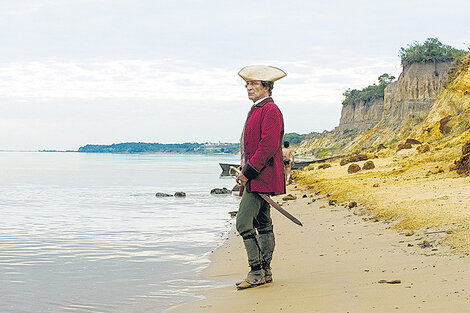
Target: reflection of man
<point>262,172</point>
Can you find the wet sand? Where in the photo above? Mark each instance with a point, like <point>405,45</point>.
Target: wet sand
<point>342,260</point>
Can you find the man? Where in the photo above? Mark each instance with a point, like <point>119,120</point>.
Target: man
<point>288,159</point>
<point>262,172</point>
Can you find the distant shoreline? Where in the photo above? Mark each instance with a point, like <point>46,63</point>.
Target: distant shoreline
<point>147,148</point>
<point>143,147</point>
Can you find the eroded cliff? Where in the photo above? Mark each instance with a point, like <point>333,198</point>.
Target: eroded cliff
<point>407,102</point>
<point>361,115</point>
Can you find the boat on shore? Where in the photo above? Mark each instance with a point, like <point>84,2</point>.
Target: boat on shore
<point>226,168</point>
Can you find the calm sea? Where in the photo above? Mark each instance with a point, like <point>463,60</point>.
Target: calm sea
<point>85,232</point>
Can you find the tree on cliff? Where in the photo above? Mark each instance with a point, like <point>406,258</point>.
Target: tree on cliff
<point>432,50</point>
<point>369,93</point>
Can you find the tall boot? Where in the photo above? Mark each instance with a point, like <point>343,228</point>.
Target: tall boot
<point>256,275</point>
<point>267,243</point>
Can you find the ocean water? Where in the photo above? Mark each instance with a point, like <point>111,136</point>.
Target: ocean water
<point>85,232</point>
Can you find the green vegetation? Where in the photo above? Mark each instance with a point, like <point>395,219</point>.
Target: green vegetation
<point>293,138</point>
<point>321,153</point>
<point>142,147</point>
<point>432,50</point>
<point>369,93</point>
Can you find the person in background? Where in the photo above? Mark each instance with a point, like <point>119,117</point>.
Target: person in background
<point>262,172</point>
<point>288,160</point>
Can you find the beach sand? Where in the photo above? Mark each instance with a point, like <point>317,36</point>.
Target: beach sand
<point>360,259</point>
<point>334,264</point>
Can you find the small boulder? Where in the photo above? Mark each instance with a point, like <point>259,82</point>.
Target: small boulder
<point>423,148</point>
<point>162,195</point>
<point>332,202</point>
<point>412,142</point>
<point>402,146</point>
<point>289,197</point>
<point>368,165</point>
<point>358,157</point>
<point>220,191</point>
<point>381,147</point>
<point>352,204</point>
<point>323,166</point>
<point>343,161</point>
<point>180,194</point>
<point>353,168</point>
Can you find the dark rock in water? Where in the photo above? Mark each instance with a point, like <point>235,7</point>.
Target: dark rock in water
<point>332,202</point>
<point>162,195</point>
<point>412,142</point>
<point>236,188</point>
<point>180,194</point>
<point>323,166</point>
<point>353,168</point>
<point>304,196</point>
<point>368,165</point>
<point>220,191</point>
<point>233,213</point>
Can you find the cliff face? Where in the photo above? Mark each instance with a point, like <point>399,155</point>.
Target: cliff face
<point>414,93</point>
<point>450,115</point>
<point>361,115</point>
<point>406,103</point>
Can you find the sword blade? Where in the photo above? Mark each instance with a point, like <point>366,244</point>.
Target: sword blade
<point>270,201</point>
<point>279,208</point>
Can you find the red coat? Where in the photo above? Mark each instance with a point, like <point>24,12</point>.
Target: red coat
<point>262,147</point>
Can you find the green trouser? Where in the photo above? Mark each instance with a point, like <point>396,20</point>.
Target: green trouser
<point>254,213</point>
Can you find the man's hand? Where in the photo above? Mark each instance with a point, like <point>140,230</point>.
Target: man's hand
<point>242,179</point>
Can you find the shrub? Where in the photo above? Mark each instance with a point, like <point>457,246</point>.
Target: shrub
<point>432,50</point>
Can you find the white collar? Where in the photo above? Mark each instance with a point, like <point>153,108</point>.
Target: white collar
<point>258,101</point>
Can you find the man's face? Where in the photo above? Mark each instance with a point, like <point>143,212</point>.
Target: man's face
<point>256,90</point>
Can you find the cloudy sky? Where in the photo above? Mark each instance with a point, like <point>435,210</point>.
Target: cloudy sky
<point>76,72</point>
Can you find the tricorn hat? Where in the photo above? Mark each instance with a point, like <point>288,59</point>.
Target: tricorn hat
<point>261,72</point>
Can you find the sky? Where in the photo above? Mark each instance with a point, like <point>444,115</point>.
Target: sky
<point>77,72</point>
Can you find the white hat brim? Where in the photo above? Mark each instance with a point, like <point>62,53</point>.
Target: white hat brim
<point>261,72</point>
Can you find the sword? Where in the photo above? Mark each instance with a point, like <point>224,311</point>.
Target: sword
<point>266,198</point>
